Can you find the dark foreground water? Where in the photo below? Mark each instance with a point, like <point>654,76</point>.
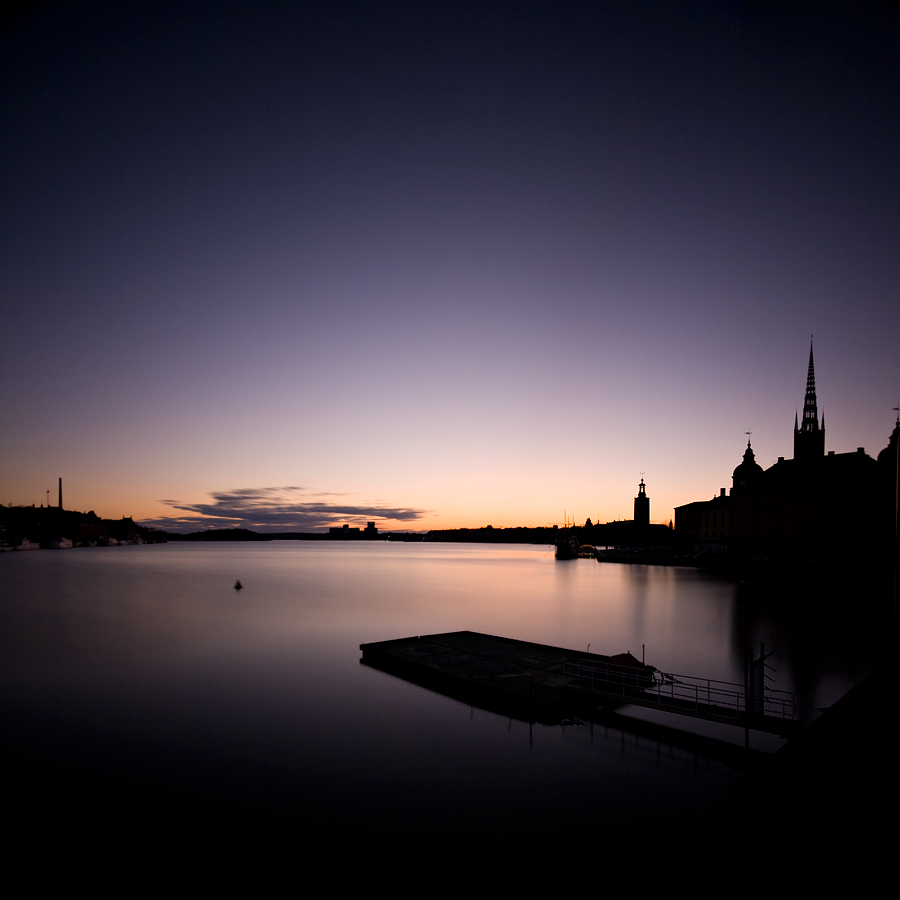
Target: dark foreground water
<point>143,696</point>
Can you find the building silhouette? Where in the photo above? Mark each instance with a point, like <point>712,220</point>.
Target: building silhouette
<point>353,533</point>
<point>642,505</point>
<point>809,437</point>
<point>817,505</point>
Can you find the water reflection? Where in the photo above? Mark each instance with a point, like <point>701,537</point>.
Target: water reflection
<point>137,679</point>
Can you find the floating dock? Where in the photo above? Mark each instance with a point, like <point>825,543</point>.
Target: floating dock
<point>518,678</point>
<point>540,683</point>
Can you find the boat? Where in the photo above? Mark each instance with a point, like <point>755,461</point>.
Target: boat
<point>566,545</point>
<point>25,544</point>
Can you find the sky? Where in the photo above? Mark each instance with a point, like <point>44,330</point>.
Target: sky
<point>287,266</point>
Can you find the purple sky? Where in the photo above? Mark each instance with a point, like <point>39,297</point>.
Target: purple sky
<point>287,266</point>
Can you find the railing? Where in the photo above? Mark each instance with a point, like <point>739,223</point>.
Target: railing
<point>610,678</point>
<point>702,695</point>
<point>725,696</point>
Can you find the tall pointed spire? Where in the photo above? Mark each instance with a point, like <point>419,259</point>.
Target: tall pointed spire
<point>809,440</point>
<point>810,413</point>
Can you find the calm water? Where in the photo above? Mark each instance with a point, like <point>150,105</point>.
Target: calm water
<point>138,684</point>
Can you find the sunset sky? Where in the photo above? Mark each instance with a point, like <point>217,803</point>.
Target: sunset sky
<point>285,266</point>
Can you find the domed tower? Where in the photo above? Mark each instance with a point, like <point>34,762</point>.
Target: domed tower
<point>747,472</point>
<point>642,506</point>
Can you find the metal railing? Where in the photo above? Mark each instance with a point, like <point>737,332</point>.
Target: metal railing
<point>702,695</point>
<point>610,678</point>
<point>725,696</point>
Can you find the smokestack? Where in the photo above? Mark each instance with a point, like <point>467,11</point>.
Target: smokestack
<point>60,493</point>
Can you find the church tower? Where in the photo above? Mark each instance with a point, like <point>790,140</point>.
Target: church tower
<point>748,472</point>
<point>642,506</point>
<point>809,437</point>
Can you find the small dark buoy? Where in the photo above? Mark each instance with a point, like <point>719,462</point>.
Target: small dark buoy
<point>237,585</point>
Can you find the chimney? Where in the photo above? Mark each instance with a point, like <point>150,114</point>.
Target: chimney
<point>60,493</point>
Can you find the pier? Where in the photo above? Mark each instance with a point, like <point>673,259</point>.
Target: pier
<point>540,683</point>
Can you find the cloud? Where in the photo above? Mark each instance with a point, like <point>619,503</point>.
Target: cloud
<point>277,509</point>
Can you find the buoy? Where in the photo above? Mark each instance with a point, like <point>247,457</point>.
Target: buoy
<point>237,585</point>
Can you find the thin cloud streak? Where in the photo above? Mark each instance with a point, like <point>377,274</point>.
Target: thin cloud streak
<point>276,509</point>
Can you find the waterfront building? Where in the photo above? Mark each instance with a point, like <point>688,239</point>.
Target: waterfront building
<point>705,524</point>
<point>815,505</point>
<point>642,506</point>
<point>353,533</point>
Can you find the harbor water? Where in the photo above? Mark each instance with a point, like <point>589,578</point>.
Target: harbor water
<point>140,689</point>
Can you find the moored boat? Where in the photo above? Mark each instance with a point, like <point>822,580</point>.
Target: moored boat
<point>566,545</point>
<point>25,544</point>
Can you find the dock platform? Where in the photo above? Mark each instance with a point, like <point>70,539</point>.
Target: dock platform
<point>540,683</point>
<point>514,677</point>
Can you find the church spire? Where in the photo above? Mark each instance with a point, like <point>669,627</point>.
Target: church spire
<point>810,413</point>
<point>809,439</point>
